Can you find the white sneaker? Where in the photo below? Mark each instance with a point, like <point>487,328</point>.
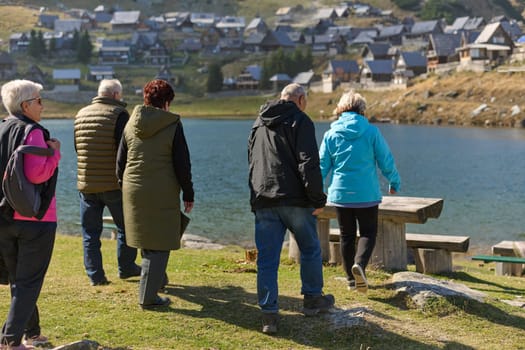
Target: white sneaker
<point>361,284</point>
<point>37,340</point>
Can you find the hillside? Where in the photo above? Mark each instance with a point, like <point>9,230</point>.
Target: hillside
<point>453,99</point>
<point>267,8</point>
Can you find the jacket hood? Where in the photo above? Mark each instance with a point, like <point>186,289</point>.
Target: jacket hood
<point>148,121</point>
<point>350,125</point>
<point>275,112</point>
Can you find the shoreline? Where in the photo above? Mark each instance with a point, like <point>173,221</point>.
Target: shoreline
<point>195,241</point>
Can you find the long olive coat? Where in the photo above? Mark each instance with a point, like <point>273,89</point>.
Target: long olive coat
<point>150,189</point>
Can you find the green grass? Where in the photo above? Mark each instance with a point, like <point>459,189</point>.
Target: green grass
<point>215,307</point>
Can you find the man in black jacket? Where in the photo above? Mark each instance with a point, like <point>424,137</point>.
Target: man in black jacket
<point>286,193</point>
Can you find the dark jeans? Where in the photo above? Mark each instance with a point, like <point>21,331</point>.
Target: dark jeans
<point>91,213</point>
<point>26,247</point>
<point>154,263</point>
<point>270,229</point>
<point>348,219</point>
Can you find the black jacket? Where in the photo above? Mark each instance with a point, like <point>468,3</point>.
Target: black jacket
<point>11,136</point>
<point>284,159</point>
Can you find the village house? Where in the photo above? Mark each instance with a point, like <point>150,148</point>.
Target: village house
<point>97,73</point>
<point>125,21</point>
<point>304,79</point>
<point>378,51</point>
<point>256,25</point>
<point>377,73</point>
<point>66,80</point>
<point>409,64</point>
<point>249,78</point>
<point>420,32</point>
<point>114,53</point>
<point>491,48</point>
<point>47,21</point>
<point>338,72</point>
<point>18,42</point>
<point>442,55</point>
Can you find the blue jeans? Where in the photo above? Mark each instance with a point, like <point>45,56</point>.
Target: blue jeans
<point>26,248</point>
<point>270,229</point>
<point>91,213</point>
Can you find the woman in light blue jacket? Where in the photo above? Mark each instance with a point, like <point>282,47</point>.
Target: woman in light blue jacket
<point>350,153</point>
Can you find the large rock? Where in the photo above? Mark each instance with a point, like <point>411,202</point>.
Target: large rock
<point>422,288</point>
<point>80,345</point>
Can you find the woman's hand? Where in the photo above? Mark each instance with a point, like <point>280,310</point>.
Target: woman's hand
<point>54,144</point>
<point>188,206</point>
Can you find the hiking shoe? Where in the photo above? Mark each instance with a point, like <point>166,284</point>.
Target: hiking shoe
<point>134,273</point>
<point>361,284</point>
<point>269,322</point>
<point>159,301</point>
<point>37,340</point>
<point>102,282</point>
<point>312,305</point>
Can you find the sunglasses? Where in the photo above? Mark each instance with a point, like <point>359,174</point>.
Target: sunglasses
<point>37,99</point>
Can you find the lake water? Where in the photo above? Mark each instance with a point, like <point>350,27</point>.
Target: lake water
<point>479,173</point>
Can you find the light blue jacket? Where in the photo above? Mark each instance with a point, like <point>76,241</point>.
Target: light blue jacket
<point>350,152</point>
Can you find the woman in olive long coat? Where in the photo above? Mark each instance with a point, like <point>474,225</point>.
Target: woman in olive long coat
<point>153,165</point>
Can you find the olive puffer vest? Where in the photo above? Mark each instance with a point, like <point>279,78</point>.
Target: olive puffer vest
<point>150,189</point>
<point>96,145</point>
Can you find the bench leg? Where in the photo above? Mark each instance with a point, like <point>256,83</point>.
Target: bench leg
<point>433,261</point>
<point>508,269</point>
<point>335,254</point>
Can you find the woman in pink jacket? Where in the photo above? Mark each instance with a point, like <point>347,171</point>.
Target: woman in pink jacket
<point>26,243</point>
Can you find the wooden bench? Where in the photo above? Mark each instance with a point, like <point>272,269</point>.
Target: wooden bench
<point>508,263</point>
<point>432,253</point>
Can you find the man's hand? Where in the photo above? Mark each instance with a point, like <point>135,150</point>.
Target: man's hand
<point>317,211</point>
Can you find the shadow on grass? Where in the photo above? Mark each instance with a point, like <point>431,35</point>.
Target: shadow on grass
<point>465,277</point>
<point>236,306</point>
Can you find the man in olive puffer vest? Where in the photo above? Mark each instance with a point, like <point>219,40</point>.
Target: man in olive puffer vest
<point>98,130</point>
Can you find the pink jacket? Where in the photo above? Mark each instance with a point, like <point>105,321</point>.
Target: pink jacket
<point>39,169</point>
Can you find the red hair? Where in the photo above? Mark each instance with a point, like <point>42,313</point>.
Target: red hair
<point>157,92</point>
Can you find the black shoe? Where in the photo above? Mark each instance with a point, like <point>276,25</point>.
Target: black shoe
<point>313,305</point>
<point>133,273</point>
<point>160,301</point>
<point>102,282</point>
<point>270,322</point>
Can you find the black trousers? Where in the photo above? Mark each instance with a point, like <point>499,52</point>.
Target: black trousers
<point>26,248</point>
<point>349,219</point>
<point>154,263</point>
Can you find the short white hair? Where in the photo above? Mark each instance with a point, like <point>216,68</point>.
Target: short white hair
<point>292,91</point>
<point>17,91</point>
<point>351,101</point>
<point>108,87</point>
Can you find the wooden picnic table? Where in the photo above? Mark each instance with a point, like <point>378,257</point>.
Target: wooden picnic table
<point>395,212</point>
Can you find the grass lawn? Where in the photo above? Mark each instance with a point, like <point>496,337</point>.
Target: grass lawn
<point>214,306</point>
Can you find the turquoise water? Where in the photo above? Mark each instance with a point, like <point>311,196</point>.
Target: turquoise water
<point>479,173</point>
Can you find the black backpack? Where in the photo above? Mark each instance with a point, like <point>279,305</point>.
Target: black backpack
<point>22,195</point>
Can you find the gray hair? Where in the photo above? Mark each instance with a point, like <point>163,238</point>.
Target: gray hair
<point>108,87</point>
<point>292,91</point>
<point>17,91</point>
<point>351,102</point>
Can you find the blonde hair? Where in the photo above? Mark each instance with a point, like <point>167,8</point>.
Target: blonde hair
<point>351,102</point>
<point>17,91</point>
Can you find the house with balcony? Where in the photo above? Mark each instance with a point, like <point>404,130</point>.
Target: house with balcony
<point>492,47</point>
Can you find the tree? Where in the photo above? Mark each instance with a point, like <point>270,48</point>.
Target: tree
<point>214,78</point>
<point>37,46</point>
<point>85,48</point>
